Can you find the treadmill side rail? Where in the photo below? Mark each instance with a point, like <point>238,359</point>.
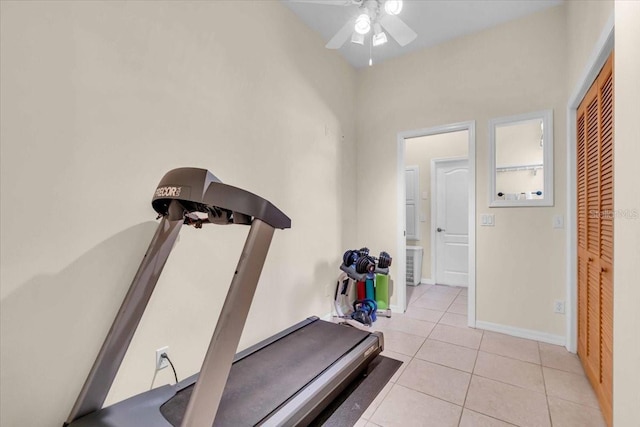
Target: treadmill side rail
<point>104,369</point>
<point>204,402</point>
<point>305,406</point>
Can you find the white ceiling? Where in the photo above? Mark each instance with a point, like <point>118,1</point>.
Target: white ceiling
<point>435,21</point>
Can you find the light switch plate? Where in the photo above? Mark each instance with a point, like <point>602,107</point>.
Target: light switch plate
<point>487,220</point>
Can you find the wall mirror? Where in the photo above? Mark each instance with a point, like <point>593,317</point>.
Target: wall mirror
<point>522,160</point>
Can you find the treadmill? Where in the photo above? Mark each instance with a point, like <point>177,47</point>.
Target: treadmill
<point>285,380</point>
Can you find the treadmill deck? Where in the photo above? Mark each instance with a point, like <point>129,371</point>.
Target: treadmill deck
<point>262,379</point>
<point>262,382</point>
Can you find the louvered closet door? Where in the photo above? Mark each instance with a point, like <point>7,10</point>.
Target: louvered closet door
<point>594,148</point>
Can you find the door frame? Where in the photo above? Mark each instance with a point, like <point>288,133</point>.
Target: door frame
<point>401,257</point>
<point>434,164</point>
<point>601,51</point>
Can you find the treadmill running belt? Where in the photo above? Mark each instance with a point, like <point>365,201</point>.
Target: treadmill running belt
<point>260,383</point>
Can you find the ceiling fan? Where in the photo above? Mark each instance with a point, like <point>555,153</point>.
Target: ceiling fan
<point>376,14</point>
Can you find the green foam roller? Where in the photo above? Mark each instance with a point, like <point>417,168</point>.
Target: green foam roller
<point>382,291</point>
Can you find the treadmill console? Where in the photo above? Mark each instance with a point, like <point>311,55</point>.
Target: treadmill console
<point>201,198</point>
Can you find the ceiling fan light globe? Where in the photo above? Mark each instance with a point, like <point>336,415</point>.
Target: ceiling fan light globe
<point>363,24</point>
<point>379,39</point>
<point>393,7</point>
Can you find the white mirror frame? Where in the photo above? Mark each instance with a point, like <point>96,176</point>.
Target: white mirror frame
<point>547,192</point>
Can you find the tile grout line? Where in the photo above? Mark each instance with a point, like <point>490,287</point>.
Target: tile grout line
<point>444,366</point>
<point>576,403</point>
<point>410,360</point>
<point>418,391</point>
<point>513,358</point>
<point>379,405</point>
<point>440,364</point>
<point>506,383</point>
<point>491,379</point>
<point>565,371</point>
<point>442,313</point>
<point>544,383</point>
<point>429,395</point>
<point>464,402</point>
<point>447,342</point>
<point>414,357</point>
<point>509,384</point>
<point>493,417</point>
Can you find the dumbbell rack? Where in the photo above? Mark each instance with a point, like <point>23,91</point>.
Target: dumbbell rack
<point>361,277</point>
<point>358,265</point>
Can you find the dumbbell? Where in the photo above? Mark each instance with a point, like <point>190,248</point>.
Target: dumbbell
<point>365,264</point>
<point>384,260</point>
<point>350,257</point>
<point>364,311</point>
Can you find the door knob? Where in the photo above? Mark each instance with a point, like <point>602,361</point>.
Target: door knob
<point>439,230</point>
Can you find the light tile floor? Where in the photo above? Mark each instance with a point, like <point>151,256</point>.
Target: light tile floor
<point>454,375</point>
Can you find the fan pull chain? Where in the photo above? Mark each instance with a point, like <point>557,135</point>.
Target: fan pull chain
<point>371,52</point>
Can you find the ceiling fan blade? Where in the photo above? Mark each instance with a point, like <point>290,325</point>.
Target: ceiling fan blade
<point>342,35</point>
<point>400,31</point>
<point>325,2</point>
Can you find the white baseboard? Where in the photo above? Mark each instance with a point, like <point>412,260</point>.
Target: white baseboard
<point>522,333</point>
<point>425,281</point>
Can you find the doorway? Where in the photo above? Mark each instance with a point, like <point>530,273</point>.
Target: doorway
<point>443,197</point>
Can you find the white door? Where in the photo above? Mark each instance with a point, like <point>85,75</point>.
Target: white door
<point>452,222</point>
<point>412,179</point>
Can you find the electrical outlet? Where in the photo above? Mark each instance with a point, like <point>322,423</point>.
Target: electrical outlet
<point>558,307</point>
<point>161,362</point>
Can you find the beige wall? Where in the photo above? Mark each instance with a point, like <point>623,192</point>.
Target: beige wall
<point>515,68</point>
<point>99,100</point>
<point>626,323</point>
<point>585,21</point>
<point>420,151</point>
